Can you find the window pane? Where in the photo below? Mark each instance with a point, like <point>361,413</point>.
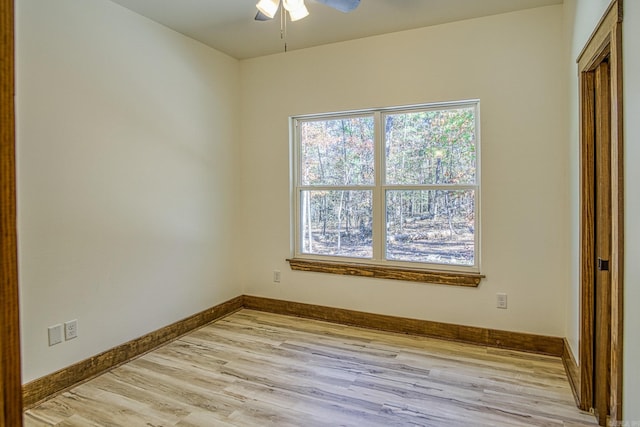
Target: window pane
<point>434,226</point>
<point>336,223</point>
<point>337,151</point>
<point>431,147</point>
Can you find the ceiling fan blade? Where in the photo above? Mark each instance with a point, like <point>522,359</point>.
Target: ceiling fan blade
<point>262,17</point>
<point>341,5</point>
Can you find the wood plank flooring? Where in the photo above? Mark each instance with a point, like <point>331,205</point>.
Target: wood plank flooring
<point>261,369</point>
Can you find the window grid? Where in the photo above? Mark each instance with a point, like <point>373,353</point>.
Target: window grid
<point>381,188</point>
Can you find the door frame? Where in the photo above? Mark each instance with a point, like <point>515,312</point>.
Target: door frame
<point>11,384</point>
<point>605,42</point>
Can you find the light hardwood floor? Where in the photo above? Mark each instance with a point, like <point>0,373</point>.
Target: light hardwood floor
<point>260,369</point>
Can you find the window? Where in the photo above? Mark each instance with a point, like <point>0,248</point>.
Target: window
<point>395,187</point>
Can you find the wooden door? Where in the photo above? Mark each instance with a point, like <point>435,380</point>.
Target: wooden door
<point>602,234</point>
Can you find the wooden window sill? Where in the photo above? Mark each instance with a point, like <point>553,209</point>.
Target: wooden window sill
<point>387,272</point>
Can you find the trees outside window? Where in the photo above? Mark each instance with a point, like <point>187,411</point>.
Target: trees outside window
<point>390,186</point>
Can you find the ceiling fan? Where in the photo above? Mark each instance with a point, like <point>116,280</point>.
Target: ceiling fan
<point>267,9</point>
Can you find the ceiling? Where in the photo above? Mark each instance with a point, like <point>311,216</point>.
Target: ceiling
<point>228,25</point>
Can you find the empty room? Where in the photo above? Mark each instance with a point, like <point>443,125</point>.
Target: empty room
<point>320,213</point>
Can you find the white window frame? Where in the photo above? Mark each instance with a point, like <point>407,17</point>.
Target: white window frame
<point>380,188</point>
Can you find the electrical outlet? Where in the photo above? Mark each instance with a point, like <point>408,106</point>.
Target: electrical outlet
<point>501,300</point>
<point>55,334</point>
<point>276,276</point>
<point>70,329</point>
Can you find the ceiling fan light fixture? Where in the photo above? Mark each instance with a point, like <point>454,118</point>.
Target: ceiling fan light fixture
<point>296,8</point>
<point>268,7</point>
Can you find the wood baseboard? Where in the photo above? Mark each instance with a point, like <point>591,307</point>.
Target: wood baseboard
<point>49,385</point>
<point>43,388</point>
<point>553,346</point>
<point>572,370</point>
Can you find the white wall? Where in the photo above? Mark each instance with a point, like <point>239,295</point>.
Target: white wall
<point>514,64</point>
<point>631,58</point>
<point>127,142</point>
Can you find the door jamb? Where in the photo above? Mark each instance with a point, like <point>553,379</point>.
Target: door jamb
<point>10,381</point>
<point>605,41</point>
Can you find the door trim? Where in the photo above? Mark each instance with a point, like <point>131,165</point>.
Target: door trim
<point>11,389</point>
<point>606,41</point>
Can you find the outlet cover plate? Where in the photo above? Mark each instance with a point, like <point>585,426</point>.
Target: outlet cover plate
<point>501,300</point>
<point>55,334</point>
<point>70,329</point>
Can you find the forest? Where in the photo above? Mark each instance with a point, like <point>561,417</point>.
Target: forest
<point>421,176</point>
